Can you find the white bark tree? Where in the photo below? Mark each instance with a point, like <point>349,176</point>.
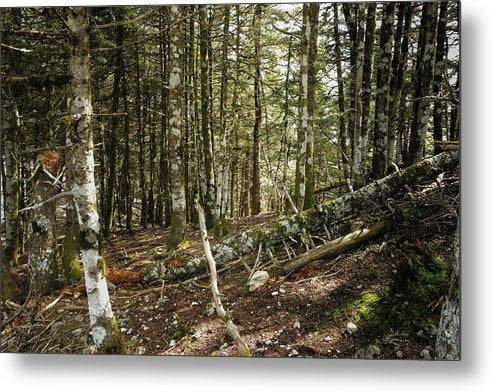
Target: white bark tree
<point>178,197</point>
<point>105,329</point>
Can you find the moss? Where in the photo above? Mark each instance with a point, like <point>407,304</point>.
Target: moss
<point>102,265</point>
<point>113,343</point>
<point>358,309</point>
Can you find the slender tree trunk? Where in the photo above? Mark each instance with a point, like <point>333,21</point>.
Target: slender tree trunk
<point>379,158</point>
<point>223,163</point>
<point>423,83</point>
<point>112,135</point>
<point>398,104</point>
<point>178,197</point>
<point>141,143</point>
<point>312,36</point>
<point>394,93</point>
<point>454,126</point>
<point>342,133</point>
<point>441,54</point>
<point>105,329</point>
<point>205,118</point>
<point>255,183</point>
<point>366,81</point>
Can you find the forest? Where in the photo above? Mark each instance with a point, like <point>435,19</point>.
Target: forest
<point>259,180</point>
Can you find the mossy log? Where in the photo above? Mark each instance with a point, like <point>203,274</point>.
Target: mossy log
<point>335,247</point>
<point>313,220</point>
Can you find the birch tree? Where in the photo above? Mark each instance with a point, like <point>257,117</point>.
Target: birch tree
<point>178,197</point>
<point>379,158</point>
<point>421,113</point>
<point>105,329</point>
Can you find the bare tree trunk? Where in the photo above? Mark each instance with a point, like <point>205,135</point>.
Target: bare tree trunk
<point>255,183</point>
<point>312,36</point>
<point>105,329</point>
<point>441,54</point>
<point>366,83</point>
<point>380,143</point>
<point>423,84</point>
<point>342,133</point>
<point>232,329</point>
<point>178,197</point>
<point>223,158</point>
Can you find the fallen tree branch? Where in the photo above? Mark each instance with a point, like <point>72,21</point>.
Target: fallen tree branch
<point>329,213</point>
<point>335,247</point>
<point>232,329</point>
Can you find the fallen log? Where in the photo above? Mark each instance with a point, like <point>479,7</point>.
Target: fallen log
<point>335,247</point>
<point>314,220</point>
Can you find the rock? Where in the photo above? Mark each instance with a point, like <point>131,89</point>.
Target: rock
<point>372,351</point>
<point>328,338</point>
<point>274,293</point>
<point>77,332</point>
<point>268,342</point>
<point>223,346</point>
<point>257,280</point>
<point>56,326</point>
<point>281,291</point>
<point>141,350</point>
<point>294,352</point>
<point>297,324</point>
<point>352,328</point>
<point>425,353</point>
<point>111,286</point>
<point>172,343</point>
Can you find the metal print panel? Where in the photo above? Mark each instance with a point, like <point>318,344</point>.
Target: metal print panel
<point>259,180</point>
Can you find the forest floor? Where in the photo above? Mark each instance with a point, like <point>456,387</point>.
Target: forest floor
<point>391,289</point>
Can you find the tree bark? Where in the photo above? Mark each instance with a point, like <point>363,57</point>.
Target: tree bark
<point>255,183</point>
<point>366,82</point>
<point>439,65</point>
<point>41,233</point>
<point>105,329</point>
<point>178,196</point>
<point>380,141</point>
<point>423,83</point>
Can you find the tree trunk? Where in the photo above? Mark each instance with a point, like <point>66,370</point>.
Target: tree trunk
<point>105,329</point>
<point>255,182</point>
<point>178,196</point>
<point>221,198</point>
<point>312,37</point>
<point>208,194</point>
<point>342,133</point>
<point>366,82</point>
<point>379,157</point>
<point>314,220</point>
<point>439,65</point>
<point>41,254</point>
<point>394,92</point>
<point>423,83</point>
